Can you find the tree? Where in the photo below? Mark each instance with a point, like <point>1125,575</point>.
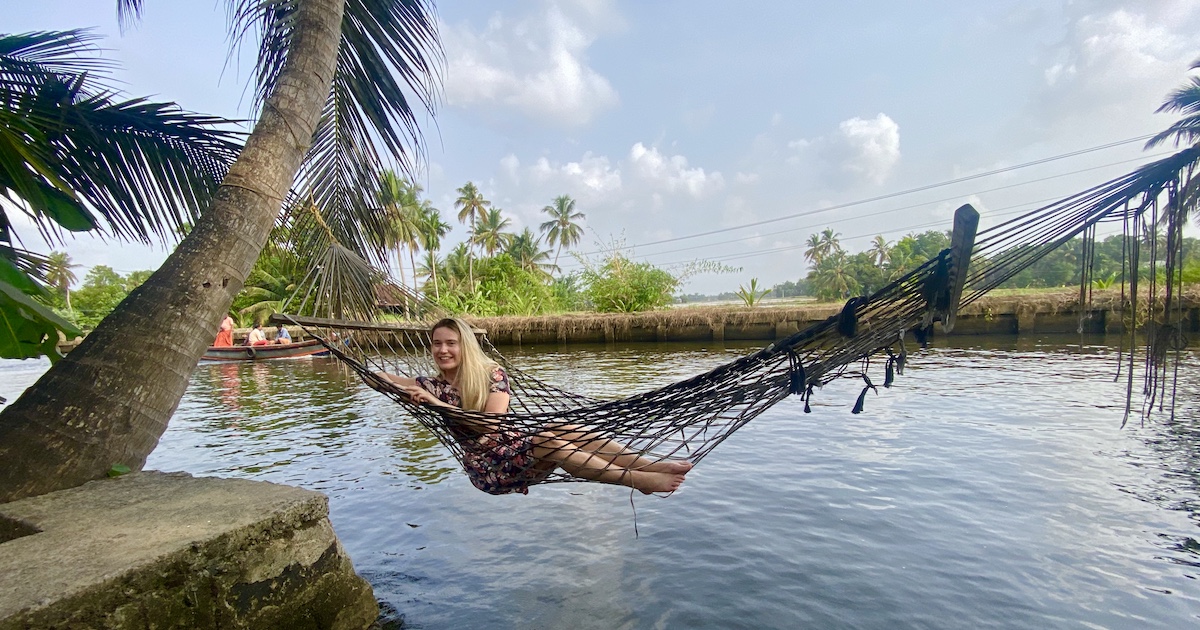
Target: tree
<point>526,249</point>
<point>1186,100</point>
<point>880,251</point>
<point>398,201</point>
<point>59,274</point>
<point>320,86</point>
<point>471,206</point>
<point>813,254</point>
<point>620,285</point>
<point>77,158</point>
<point>432,229</point>
<point>752,295</point>
<point>489,234</point>
<point>562,230</point>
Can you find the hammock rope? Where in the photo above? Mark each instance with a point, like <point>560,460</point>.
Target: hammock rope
<point>689,418</point>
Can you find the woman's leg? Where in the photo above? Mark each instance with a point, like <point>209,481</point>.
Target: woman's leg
<point>608,449</point>
<point>591,465</point>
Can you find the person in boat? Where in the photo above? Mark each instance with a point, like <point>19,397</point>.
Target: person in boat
<point>225,333</point>
<point>256,337</point>
<point>282,335</point>
<point>501,460</point>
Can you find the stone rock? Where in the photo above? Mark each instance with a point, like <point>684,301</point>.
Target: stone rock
<point>168,550</point>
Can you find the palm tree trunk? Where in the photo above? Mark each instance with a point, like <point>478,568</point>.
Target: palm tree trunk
<point>470,255</point>
<point>110,399</point>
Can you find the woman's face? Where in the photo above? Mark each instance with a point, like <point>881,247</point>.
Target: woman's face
<point>445,349</point>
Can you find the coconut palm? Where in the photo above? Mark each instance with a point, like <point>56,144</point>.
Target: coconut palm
<point>471,207</point>
<point>432,229</point>
<point>880,251</point>
<point>335,87</point>
<point>1185,100</point>
<point>525,248</point>
<point>489,234</point>
<point>59,274</point>
<point>457,267</point>
<point>78,158</point>
<point>814,253</point>
<point>398,199</point>
<point>562,230</point>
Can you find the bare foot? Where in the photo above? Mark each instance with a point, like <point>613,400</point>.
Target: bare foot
<point>677,467</point>
<point>651,482</point>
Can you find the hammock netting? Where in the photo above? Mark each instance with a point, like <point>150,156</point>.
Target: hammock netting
<point>868,340</point>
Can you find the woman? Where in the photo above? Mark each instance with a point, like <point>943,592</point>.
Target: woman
<point>499,460</point>
<point>224,333</point>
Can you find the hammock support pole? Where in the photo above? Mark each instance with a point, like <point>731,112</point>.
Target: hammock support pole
<point>962,242</point>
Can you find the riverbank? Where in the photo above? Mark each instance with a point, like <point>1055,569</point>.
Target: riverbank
<point>1049,311</point>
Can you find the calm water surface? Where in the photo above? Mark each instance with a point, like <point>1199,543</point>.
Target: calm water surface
<point>990,488</point>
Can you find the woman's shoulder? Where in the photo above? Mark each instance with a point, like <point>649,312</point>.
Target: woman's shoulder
<point>499,380</point>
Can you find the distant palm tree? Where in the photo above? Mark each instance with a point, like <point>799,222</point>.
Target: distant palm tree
<point>432,228</point>
<point>457,266</point>
<point>489,234</point>
<point>562,229</point>
<point>813,253</point>
<point>471,207</point>
<point>880,251</point>
<point>59,274</point>
<point>396,199</point>
<point>526,250</point>
<point>830,244</point>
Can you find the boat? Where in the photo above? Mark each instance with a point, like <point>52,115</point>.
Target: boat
<point>261,353</point>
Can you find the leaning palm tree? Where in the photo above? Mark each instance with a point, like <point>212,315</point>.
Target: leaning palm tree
<point>335,81</point>
<point>489,234</point>
<point>562,229</point>
<point>59,274</point>
<point>471,207</point>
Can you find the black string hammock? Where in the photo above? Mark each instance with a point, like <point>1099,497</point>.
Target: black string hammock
<point>869,340</point>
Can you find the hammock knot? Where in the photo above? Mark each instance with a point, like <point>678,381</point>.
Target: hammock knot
<point>847,323</point>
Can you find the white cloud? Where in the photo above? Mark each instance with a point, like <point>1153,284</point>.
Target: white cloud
<point>1114,67</point>
<point>591,178</point>
<point>536,64</point>
<point>874,146</point>
<point>672,173</point>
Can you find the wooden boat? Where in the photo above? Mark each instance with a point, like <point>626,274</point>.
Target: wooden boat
<point>262,353</point>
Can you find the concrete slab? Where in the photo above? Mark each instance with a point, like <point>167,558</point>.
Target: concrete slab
<point>164,550</point>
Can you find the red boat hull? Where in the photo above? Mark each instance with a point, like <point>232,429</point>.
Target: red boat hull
<point>263,353</point>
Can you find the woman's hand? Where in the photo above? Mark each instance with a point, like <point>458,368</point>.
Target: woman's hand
<point>419,395</point>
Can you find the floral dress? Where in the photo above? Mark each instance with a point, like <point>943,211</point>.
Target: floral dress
<point>501,462</point>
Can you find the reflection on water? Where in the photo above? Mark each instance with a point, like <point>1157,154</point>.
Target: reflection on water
<point>991,487</point>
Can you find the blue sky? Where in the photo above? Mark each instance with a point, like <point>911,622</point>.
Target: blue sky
<point>668,119</point>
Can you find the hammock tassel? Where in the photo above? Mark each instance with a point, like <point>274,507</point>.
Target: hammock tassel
<point>903,358</point>
<point>797,377</point>
<point>862,397</point>
<point>889,373</point>
<point>808,397</point>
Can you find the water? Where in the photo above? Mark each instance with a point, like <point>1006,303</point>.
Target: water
<point>990,488</point>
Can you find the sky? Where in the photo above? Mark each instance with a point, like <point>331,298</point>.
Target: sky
<point>752,125</point>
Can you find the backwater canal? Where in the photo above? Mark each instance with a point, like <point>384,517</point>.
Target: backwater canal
<point>991,487</point>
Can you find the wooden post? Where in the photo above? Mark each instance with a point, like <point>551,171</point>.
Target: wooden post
<point>962,242</point>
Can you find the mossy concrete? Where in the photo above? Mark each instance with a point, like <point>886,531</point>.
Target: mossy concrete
<point>168,550</point>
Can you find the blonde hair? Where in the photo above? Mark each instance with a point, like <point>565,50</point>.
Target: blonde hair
<point>474,378</point>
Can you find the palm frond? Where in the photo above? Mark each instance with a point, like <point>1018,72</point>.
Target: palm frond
<point>27,58</point>
<point>128,12</point>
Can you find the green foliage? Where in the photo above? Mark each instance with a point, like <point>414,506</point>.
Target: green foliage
<point>102,290</point>
<point>752,295</point>
<point>502,288</point>
<point>623,286</point>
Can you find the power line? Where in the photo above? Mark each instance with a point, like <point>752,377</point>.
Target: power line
<point>895,194</point>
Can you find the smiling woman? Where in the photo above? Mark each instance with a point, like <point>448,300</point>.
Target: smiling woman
<point>498,458</point>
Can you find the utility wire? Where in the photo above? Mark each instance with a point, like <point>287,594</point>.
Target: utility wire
<point>892,195</point>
